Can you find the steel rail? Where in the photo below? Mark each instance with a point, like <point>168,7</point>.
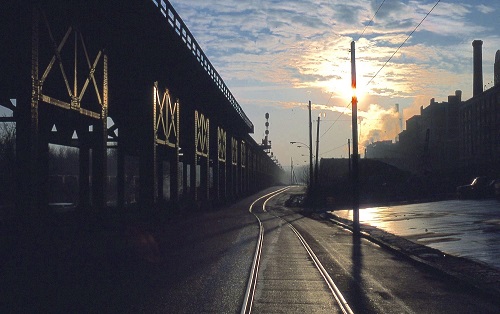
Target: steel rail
<point>344,306</point>
<point>346,309</point>
<point>252,281</point>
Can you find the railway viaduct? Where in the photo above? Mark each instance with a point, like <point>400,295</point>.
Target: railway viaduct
<point>125,75</point>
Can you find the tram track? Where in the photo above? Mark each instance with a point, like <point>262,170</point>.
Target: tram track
<point>248,303</point>
<point>252,281</point>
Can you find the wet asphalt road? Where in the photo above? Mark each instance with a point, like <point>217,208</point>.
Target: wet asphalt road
<point>199,262</point>
<point>464,228</point>
<point>375,280</point>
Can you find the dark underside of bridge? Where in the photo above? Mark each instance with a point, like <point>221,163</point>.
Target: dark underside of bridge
<point>73,64</point>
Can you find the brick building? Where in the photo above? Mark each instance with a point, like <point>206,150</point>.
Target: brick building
<point>453,140</point>
<point>431,140</point>
<point>480,122</point>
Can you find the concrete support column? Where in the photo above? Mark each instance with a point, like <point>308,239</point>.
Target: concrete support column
<point>147,159</point>
<point>185,179</point>
<point>204,179</point>
<point>99,153</point>
<point>202,154</point>
<point>27,201</point>
<point>192,179</point>
<point>42,172</point>
<point>174,176</point>
<point>120,176</point>
<point>159,177</point>
<point>99,165</point>
<point>84,173</point>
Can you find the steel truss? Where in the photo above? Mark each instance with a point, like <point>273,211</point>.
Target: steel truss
<point>67,103</point>
<point>56,118</point>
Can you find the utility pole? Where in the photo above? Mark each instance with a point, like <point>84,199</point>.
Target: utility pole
<point>316,173</point>
<point>355,170</point>
<point>311,188</point>
<point>291,170</point>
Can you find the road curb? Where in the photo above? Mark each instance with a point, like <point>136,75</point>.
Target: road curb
<point>478,275</point>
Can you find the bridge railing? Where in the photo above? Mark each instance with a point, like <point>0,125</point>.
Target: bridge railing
<point>175,21</point>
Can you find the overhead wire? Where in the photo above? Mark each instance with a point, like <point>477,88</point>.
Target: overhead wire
<point>331,150</point>
<point>404,42</point>
<point>338,117</point>
<point>392,56</point>
<point>371,21</point>
<point>362,33</point>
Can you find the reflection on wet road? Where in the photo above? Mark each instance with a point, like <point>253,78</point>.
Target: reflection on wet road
<point>461,228</point>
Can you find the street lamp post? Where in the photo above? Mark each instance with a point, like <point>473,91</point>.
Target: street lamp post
<point>310,161</point>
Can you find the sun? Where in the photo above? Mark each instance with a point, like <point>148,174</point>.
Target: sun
<point>333,75</point>
<point>343,87</point>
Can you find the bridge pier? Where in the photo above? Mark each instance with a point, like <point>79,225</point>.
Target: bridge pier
<point>99,152</point>
<point>186,179</point>
<point>220,165</point>
<point>63,107</point>
<point>174,176</point>
<point>202,156</point>
<point>233,169</point>
<point>147,168</point>
<point>120,174</point>
<point>160,171</point>
<point>84,172</point>
<point>244,168</point>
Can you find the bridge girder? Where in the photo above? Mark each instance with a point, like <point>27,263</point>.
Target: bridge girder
<point>76,63</point>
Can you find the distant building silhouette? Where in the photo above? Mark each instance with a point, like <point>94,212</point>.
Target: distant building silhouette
<point>430,141</point>
<point>480,125</point>
<point>453,136</point>
<point>382,150</point>
<point>480,131</point>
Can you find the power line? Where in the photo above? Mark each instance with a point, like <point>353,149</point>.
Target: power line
<point>369,23</point>
<point>362,33</point>
<point>400,46</point>
<point>328,120</point>
<point>331,150</point>
<point>404,42</point>
<point>335,120</point>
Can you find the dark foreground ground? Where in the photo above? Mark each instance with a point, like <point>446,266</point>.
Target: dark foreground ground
<point>128,262</point>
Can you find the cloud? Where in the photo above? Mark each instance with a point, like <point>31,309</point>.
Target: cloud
<point>375,122</point>
<point>391,8</point>
<point>280,53</point>
<point>485,9</point>
<point>347,13</point>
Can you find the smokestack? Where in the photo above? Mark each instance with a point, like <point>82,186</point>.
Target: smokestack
<point>497,68</point>
<point>400,119</point>
<point>478,67</point>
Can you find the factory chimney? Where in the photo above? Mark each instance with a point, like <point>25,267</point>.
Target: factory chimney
<point>497,68</point>
<point>478,67</point>
<point>400,118</point>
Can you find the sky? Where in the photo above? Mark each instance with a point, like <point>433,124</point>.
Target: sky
<point>276,55</point>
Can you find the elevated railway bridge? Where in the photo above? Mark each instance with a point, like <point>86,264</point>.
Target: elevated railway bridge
<point>127,75</point>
